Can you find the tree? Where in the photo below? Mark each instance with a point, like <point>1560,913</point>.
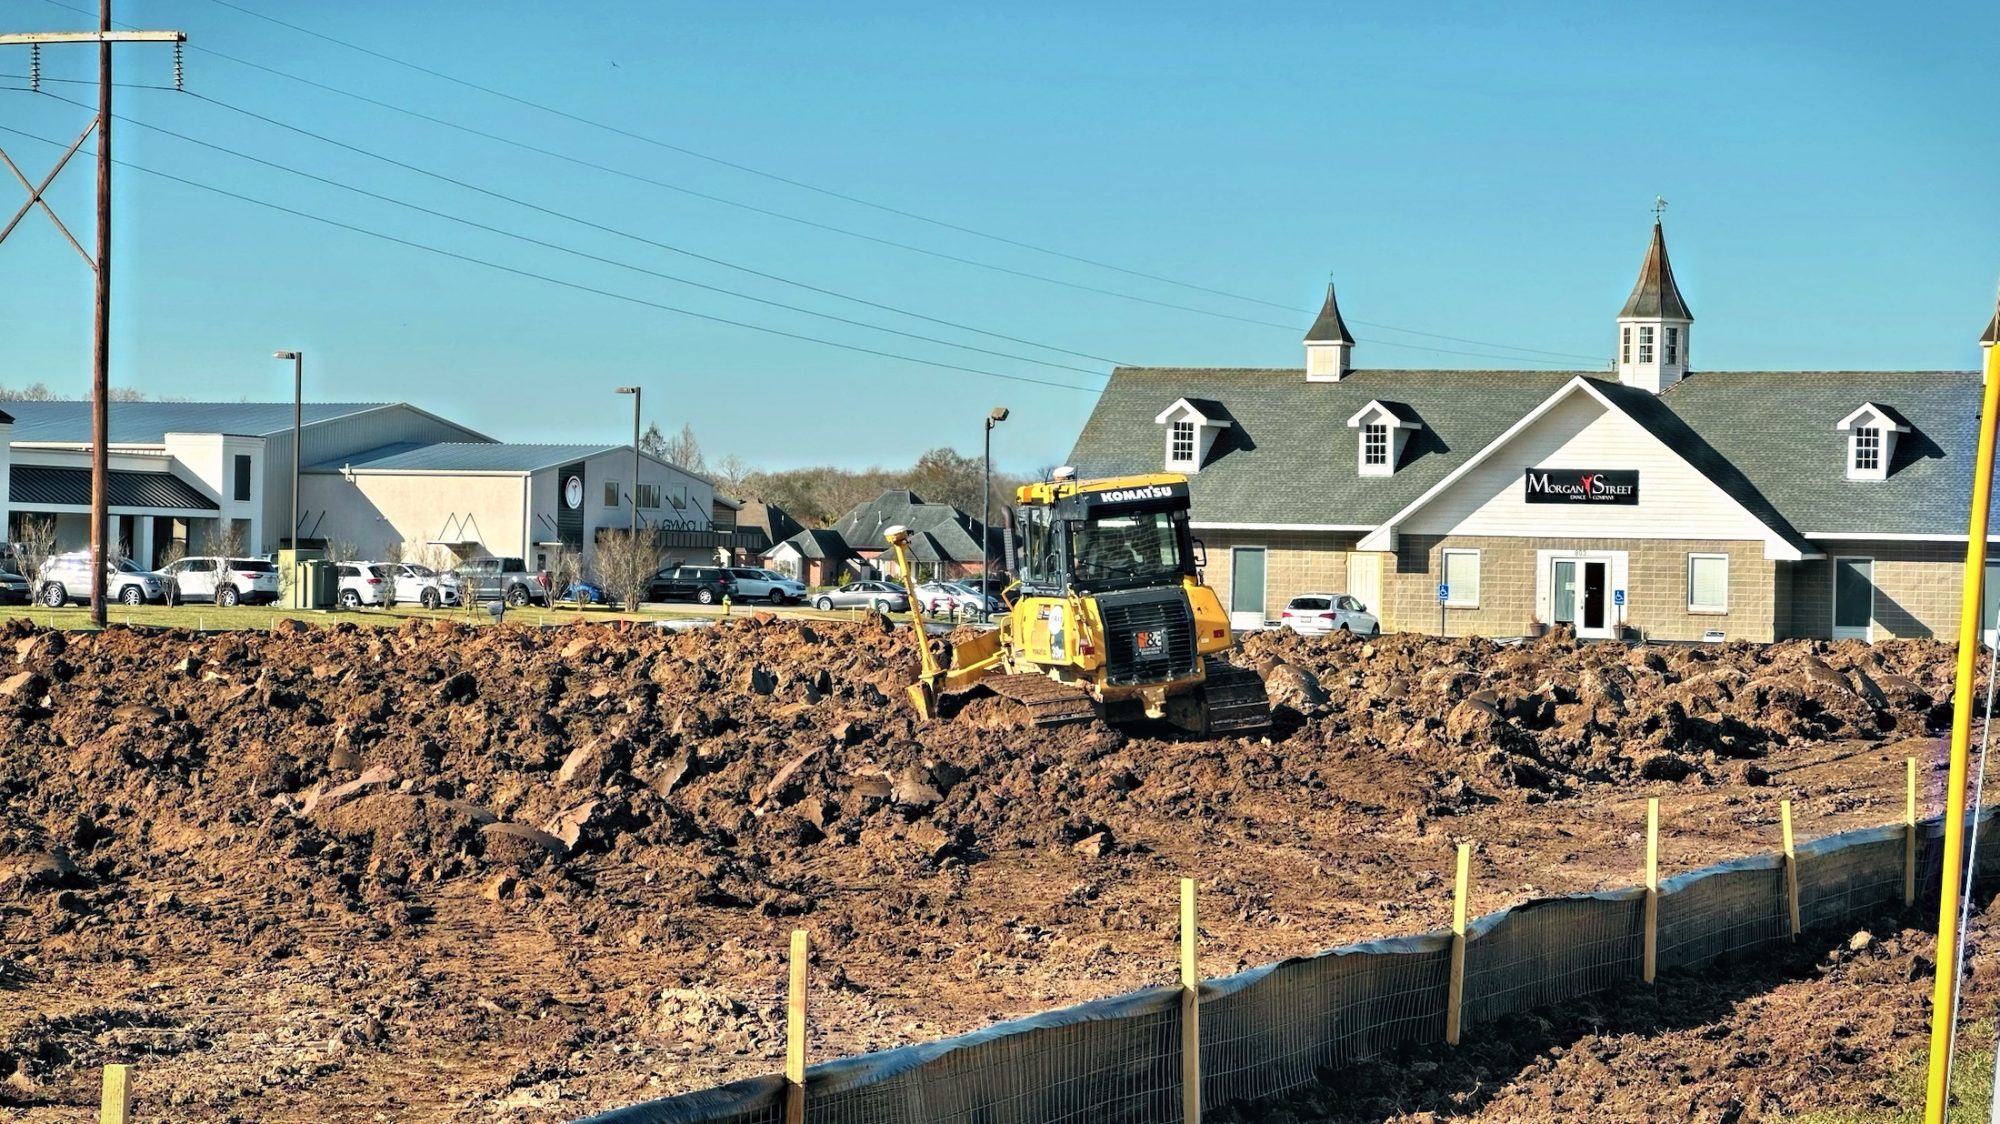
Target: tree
<point>36,544</point>
<point>565,570</point>
<point>626,564</point>
<point>681,450</point>
<point>731,473</point>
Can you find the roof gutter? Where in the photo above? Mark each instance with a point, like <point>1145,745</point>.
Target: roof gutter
<point>1349,527</point>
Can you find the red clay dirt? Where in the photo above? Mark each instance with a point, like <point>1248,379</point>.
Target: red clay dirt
<point>507,873</point>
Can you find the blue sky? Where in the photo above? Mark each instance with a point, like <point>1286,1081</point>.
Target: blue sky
<point>1478,171</point>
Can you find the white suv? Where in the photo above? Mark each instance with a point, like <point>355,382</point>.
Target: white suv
<point>420,585</point>
<point>67,576</point>
<point>361,583</point>
<point>225,581</point>
<point>753,584</point>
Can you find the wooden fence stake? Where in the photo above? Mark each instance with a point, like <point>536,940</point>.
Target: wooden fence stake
<point>1791,866</point>
<point>1652,885</point>
<point>116,1107</point>
<point>795,1034</point>
<point>1910,832</point>
<point>1457,995</point>
<point>1190,1007</point>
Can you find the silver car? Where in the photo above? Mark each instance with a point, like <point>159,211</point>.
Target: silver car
<point>66,578</point>
<point>879,596</point>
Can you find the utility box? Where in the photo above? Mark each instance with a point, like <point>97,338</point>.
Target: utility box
<point>295,577</point>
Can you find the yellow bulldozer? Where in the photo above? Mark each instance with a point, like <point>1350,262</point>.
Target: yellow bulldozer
<point>1107,617</point>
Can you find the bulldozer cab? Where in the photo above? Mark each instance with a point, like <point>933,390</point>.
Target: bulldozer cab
<point>1102,537</point>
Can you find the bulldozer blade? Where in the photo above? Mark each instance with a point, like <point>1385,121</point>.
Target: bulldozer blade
<point>973,660</point>
<point>1234,699</point>
<point>920,698</point>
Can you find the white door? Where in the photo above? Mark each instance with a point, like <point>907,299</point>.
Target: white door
<point>1364,581</point>
<point>1854,599</point>
<point>1989,616</point>
<point>1246,588</point>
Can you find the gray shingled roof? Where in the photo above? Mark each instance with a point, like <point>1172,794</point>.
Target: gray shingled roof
<point>42,485</point>
<point>148,423</point>
<point>820,542</point>
<point>1288,457</point>
<point>1329,328</point>
<point>955,533</point>
<point>1777,428</point>
<point>468,456</point>
<point>1766,438</point>
<point>1656,294</point>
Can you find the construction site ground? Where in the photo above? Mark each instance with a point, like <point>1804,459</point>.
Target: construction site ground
<point>437,873</point>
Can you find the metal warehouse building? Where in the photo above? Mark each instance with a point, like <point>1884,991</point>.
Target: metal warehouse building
<point>384,477</point>
<point>1652,499</point>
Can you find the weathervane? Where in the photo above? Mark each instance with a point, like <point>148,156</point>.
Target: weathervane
<point>1659,207</point>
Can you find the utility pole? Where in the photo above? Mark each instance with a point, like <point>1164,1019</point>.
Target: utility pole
<point>100,379</point>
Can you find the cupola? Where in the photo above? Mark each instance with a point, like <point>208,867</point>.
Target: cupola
<point>1328,344</point>
<point>1653,326</point>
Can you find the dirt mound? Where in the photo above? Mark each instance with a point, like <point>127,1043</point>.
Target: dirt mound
<point>320,846</point>
<point>1473,715</point>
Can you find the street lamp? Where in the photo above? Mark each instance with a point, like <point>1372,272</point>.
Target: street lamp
<point>634,392</point>
<point>298,359</point>
<point>998,415</point>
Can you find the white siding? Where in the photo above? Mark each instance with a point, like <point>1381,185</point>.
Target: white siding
<point>1675,501</point>
<point>330,440</point>
<point>376,510</point>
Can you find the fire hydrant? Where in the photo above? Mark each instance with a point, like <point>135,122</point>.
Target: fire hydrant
<point>725,605</point>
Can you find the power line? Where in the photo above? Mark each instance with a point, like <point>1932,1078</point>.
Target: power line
<point>574,252</point>
<point>1595,360</point>
<point>546,279</point>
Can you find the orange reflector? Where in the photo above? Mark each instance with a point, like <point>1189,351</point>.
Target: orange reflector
<point>1220,633</point>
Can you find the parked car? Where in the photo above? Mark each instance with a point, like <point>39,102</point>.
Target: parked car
<point>418,584</point>
<point>14,589</point>
<point>586,593</point>
<point>753,584</point>
<point>66,577</point>
<point>879,596</point>
<point>948,598</point>
<point>490,579</point>
<point>224,581</point>
<point>1316,614</point>
<point>706,584</point>
<point>362,583</point>
<point>989,599</point>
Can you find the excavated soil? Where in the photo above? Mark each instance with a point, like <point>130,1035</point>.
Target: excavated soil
<point>506,873</point>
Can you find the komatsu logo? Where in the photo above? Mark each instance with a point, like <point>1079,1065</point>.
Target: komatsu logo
<point>1132,495</point>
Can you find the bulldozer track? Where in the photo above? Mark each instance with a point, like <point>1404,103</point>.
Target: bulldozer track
<point>1047,702</point>
<point>1236,699</point>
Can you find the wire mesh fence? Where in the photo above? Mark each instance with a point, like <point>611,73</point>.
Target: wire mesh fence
<point>1277,1027</point>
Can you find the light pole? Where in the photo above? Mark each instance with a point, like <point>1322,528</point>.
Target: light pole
<point>634,392</point>
<point>298,359</point>
<point>998,415</point>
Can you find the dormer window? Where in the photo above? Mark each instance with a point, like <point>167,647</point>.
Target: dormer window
<point>1385,429</point>
<point>1374,446</point>
<point>1192,425</point>
<point>1871,440</point>
<point>1180,444</point>
<point>1673,345</point>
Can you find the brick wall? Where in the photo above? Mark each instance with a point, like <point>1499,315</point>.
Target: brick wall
<point>1656,586</point>
<point>1295,562</point>
<point>1917,587</point>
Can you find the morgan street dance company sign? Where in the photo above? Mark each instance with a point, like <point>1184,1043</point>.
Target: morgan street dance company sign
<point>1567,485</point>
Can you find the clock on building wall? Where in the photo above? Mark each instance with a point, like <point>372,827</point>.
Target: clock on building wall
<point>573,492</point>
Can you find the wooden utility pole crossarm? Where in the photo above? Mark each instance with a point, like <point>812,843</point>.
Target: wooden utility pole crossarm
<point>47,37</point>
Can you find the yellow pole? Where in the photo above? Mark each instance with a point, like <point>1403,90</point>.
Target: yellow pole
<point>1944,995</point>
<point>1456,998</point>
<point>116,1105</point>
<point>795,1034</point>
<point>1909,832</point>
<point>1652,885</point>
<point>1791,866</point>
<point>1190,1008</point>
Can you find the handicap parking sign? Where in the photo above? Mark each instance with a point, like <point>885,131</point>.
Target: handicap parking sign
<point>1617,597</point>
<point>1444,592</point>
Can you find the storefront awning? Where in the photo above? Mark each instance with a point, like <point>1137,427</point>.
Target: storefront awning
<point>38,485</point>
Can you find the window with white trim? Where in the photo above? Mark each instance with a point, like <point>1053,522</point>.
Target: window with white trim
<point>1625,346</point>
<point>1375,445</point>
<point>1180,443</point>
<point>1708,583</point>
<point>1459,571</point>
<point>1673,346</point>
<point>1646,344</point>
<point>1864,447</point>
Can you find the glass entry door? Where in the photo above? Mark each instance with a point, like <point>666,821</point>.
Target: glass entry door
<point>1853,598</point>
<point>1579,595</point>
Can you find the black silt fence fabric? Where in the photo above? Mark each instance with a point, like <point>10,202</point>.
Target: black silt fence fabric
<point>1276,1027</point>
